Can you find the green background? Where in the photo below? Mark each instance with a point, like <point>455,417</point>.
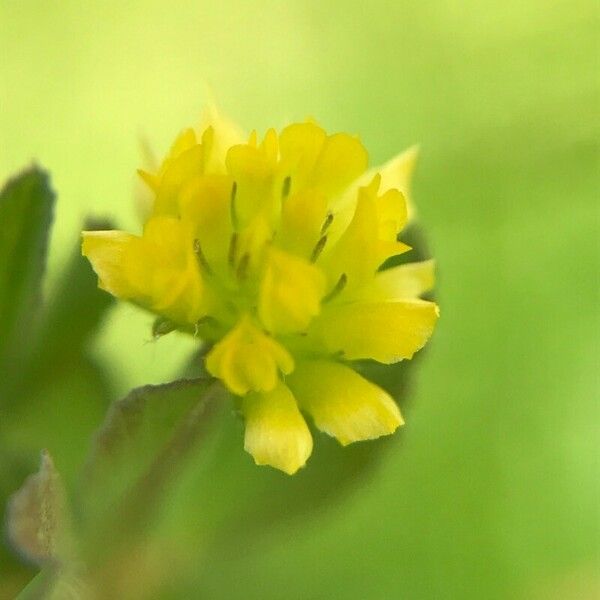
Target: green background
<point>491,489</point>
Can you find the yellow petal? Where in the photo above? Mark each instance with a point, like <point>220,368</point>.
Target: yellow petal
<point>205,204</point>
<point>170,266</point>
<point>184,141</point>
<point>303,217</point>
<point>106,251</point>
<point>394,175</point>
<point>150,179</point>
<point>179,172</point>
<point>397,174</point>
<point>301,145</point>
<point>356,254</point>
<point>270,146</point>
<point>254,170</point>
<point>226,134</point>
<point>314,160</point>
<point>391,213</point>
<point>342,403</point>
<point>247,359</point>
<point>158,271</point>
<point>366,243</point>
<point>290,293</point>
<point>276,432</point>
<point>342,160</point>
<point>398,283</point>
<point>252,241</point>
<point>384,331</point>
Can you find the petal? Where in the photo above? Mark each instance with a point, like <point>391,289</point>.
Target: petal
<point>342,160</point>
<point>205,204</point>
<point>342,403</point>
<point>317,161</point>
<point>177,174</point>
<point>392,214</point>
<point>226,134</point>
<point>184,141</point>
<point>151,180</point>
<point>106,251</point>
<point>276,432</point>
<point>398,283</point>
<point>300,145</point>
<point>384,331</point>
<point>356,253</point>
<point>247,359</point>
<point>158,271</point>
<point>290,293</point>
<point>397,174</point>
<point>173,281</point>
<point>254,170</point>
<point>368,240</point>
<point>251,243</point>
<point>303,216</point>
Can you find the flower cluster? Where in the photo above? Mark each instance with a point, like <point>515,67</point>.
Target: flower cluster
<point>271,251</point>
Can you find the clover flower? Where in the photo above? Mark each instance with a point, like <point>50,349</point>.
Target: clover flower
<point>271,253</point>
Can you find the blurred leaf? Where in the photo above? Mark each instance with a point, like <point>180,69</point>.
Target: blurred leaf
<point>59,413</point>
<point>59,394</point>
<point>53,583</point>
<point>76,308</point>
<point>37,520</point>
<point>49,585</point>
<point>137,452</point>
<point>43,353</point>
<point>59,372</point>
<point>38,588</point>
<point>241,504</point>
<point>26,205</point>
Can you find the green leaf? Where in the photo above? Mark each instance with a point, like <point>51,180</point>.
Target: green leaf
<point>59,383</point>
<point>76,308</point>
<point>137,454</point>
<point>59,413</point>
<point>61,344</point>
<point>26,206</point>
<point>49,382</point>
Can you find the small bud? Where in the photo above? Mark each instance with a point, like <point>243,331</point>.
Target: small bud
<point>162,326</point>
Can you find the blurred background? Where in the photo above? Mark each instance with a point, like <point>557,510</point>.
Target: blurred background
<point>491,489</point>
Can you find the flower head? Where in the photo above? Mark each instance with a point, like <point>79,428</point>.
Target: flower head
<point>271,252</point>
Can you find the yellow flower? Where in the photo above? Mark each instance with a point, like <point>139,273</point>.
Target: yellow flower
<point>271,252</point>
